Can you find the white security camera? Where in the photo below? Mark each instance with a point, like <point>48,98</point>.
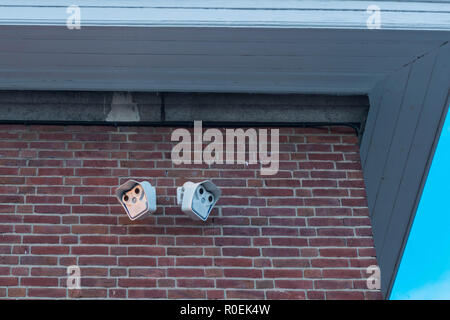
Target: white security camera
<point>198,199</point>
<point>137,198</point>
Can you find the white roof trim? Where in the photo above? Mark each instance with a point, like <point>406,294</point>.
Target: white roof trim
<point>230,13</point>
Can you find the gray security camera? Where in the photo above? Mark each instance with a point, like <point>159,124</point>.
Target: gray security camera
<point>198,199</point>
<point>137,198</point>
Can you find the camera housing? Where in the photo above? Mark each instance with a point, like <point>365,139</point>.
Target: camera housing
<point>198,199</point>
<point>137,198</point>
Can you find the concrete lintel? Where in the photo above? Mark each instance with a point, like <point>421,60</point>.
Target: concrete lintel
<point>79,106</point>
<point>219,107</point>
<point>142,107</point>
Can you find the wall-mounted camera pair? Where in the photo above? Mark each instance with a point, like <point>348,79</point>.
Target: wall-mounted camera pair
<point>196,199</point>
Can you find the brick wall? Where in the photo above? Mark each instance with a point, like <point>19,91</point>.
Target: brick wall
<point>303,233</point>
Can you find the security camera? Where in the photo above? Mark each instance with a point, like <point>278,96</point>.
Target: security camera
<point>198,199</point>
<point>137,198</point>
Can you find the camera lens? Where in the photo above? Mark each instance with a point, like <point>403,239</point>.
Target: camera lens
<point>201,190</point>
<point>125,198</point>
<point>137,190</point>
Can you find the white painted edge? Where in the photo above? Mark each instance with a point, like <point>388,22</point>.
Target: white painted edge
<point>230,13</point>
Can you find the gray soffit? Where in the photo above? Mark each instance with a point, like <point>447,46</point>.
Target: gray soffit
<point>315,61</point>
<point>403,126</point>
<point>213,45</point>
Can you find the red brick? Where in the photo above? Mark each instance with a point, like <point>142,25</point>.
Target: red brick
<point>98,240</point>
<point>39,282</point>
<point>345,295</point>
<point>360,242</point>
<point>240,231</point>
<point>45,180</point>
<point>283,202</point>
<point>9,281</point>
<point>137,282</point>
<point>92,293</point>
<point>89,229</point>
<point>233,283</point>
<point>185,272</point>
<point>329,263</point>
<point>55,136</point>
<point>54,190</point>
<point>293,232</point>
<point>40,239</point>
<point>146,294</point>
<point>242,273</point>
<point>348,166</point>
<point>195,283</point>
<point>277,212</point>
<point>48,271</point>
<point>333,284</point>
<point>245,252</point>
<point>49,250</point>
<point>19,271</point>
<point>338,252</point>
<point>294,284</point>
<point>55,172</point>
<point>94,272</point>
<point>287,221</point>
<point>137,261</point>
<point>327,242</point>
<point>58,209</point>
<point>373,295</point>
<point>110,181</point>
<point>283,273</point>
<point>97,261</point>
<point>47,292</point>
<point>320,222</point>
<point>285,295</point>
<point>182,261</point>
<point>282,183</point>
<point>354,202</point>
<point>184,251</point>
<point>100,163</point>
<point>148,251</point>
<point>38,260</point>
<point>245,294</point>
<point>44,199</point>
<point>291,263</point>
<point>51,229</point>
<point>302,233</point>
<point>145,240</point>
<point>89,250</point>
<point>280,252</point>
<point>335,232</point>
<point>17,292</point>
<point>12,180</point>
<point>215,294</point>
<point>233,262</point>
<point>186,294</point>
<point>351,183</point>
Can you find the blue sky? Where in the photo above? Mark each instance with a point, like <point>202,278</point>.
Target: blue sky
<point>424,271</point>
